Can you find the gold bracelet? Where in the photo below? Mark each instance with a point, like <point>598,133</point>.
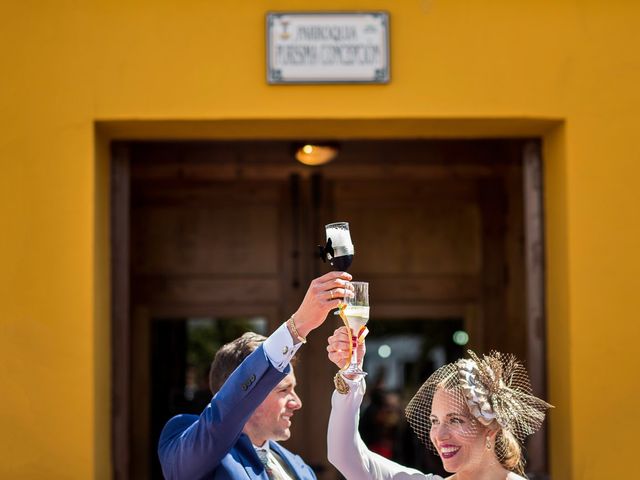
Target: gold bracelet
<point>294,330</point>
<point>342,386</point>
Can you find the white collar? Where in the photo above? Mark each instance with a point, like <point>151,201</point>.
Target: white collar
<point>266,447</point>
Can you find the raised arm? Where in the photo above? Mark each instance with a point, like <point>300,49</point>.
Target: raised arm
<point>192,446</point>
<point>346,450</point>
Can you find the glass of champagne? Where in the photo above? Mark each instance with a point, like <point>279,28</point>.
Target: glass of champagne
<point>356,315</point>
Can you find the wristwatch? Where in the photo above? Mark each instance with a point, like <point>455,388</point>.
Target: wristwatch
<point>342,386</point>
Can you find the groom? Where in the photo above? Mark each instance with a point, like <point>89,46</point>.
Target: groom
<point>253,404</point>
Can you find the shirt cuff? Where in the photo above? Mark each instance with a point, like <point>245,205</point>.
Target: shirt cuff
<point>279,347</point>
<point>356,382</point>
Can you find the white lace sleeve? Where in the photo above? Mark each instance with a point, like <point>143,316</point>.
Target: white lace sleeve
<point>346,450</point>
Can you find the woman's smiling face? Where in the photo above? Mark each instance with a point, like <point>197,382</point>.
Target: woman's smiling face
<point>458,437</point>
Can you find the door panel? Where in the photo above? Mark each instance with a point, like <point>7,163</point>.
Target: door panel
<point>409,227</point>
<point>190,230</point>
<point>201,251</point>
<point>228,230</point>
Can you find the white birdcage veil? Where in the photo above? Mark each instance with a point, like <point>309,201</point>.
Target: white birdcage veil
<point>493,391</point>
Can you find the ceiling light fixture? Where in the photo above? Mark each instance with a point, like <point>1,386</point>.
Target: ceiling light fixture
<point>314,154</point>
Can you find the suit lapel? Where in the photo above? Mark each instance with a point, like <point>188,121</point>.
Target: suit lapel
<point>293,464</point>
<point>249,458</point>
<point>253,466</point>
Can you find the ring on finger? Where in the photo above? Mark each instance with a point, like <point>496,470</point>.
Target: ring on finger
<point>331,292</point>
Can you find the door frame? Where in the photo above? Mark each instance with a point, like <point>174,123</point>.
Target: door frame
<point>121,309</point>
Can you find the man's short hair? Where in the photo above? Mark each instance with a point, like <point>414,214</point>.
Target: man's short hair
<point>229,356</point>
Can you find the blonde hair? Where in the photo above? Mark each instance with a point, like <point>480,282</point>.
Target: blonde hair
<point>511,452</point>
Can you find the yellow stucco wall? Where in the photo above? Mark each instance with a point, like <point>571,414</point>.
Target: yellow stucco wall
<point>565,70</point>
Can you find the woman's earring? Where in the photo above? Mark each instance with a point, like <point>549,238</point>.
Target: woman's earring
<point>488,443</point>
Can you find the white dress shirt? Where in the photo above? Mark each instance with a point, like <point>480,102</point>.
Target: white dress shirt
<point>279,347</point>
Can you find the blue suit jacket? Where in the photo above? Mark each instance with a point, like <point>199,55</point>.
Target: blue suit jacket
<point>212,445</point>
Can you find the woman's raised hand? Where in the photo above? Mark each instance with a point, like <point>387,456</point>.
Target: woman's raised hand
<point>338,347</point>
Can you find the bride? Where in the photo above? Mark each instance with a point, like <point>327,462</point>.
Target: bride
<point>474,413</point>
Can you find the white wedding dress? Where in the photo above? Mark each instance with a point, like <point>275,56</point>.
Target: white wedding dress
<point>348,453</point>
<point>346,450</point>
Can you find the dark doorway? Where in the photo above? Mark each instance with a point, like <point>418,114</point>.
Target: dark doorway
<point>224,232</point>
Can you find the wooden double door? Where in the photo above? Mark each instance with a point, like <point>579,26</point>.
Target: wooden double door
<point>220,237</point>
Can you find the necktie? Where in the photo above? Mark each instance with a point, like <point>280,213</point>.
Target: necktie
<point>270,465</point>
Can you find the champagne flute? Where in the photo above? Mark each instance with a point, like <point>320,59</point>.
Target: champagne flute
<point>354,310</point>
<point>356,315</point>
